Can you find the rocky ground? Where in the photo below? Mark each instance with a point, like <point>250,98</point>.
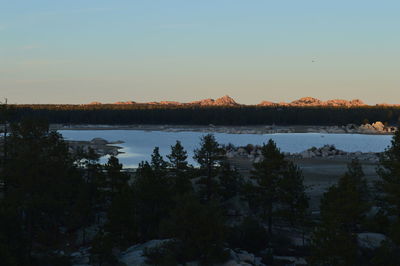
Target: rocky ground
<point>253,153</point>
<point>101,146</point>
<point>134,255</point>
<point>321,167</point>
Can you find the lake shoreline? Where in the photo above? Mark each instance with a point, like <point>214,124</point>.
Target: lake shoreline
<point>137,145</point>
<point>266,129</point>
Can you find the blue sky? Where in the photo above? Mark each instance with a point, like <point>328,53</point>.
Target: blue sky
<point>82,51</point>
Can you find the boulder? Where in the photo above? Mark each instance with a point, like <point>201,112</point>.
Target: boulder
<point>237,207</point>
<point>367,128</point>
<point>231,263</point>
<point>99,141</point>
<point>258,159</point>
<point>85,236</point>
<point>243,258</point>
<point>134,255</point>
<point>246,256</point>
<point>370,240</point>
<point>290,260</point>
<point>81,257</point>
<point>242,151</point>
<point>230,154</point>
<point>307,154</point>
<point>378,126</point>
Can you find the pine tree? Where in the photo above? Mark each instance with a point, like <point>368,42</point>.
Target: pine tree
<point>153,200</point>
<point>179,169</point>
<point>178,157</point>
<point>41,180</point>
<point>158,164</point>
<point>122,218</point>
<point>389,184</point>
<point>230,181</point>
<point>5,112</point>
<point>332,246</point>
<point>343,210</point>
<point>268,173</point>
<point>200,230</point>
<point>102,250</point>
<point>292,196</point>
<point>116,179</point>
<point>209,156</point>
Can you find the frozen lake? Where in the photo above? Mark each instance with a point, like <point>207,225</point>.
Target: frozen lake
<point>138,144</point>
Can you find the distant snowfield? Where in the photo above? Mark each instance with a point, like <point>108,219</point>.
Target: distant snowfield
<point>138,144</point>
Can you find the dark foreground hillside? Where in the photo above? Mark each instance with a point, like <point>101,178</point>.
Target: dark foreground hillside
<point>197,115</point>
<point>63,207</point>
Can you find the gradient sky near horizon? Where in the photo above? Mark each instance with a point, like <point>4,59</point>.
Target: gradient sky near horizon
<point>79,51</point>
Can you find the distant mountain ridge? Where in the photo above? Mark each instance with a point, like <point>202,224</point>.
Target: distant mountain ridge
<point>310,101</point>
<point>228,101</point>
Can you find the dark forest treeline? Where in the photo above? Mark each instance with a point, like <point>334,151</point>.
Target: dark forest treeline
<point>55,204</point>
<point>197,115</point>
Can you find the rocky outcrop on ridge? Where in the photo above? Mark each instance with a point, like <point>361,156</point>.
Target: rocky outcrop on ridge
<point>228,101</point>
<point>310,101</point>
<point>125,103</point>
<point>204,102</point>
<point>306,101</point>
<point>267,103</point>
<point>223,101</point>
<point>170,103</point>
<point>343,103</point>
<point>95,103</point>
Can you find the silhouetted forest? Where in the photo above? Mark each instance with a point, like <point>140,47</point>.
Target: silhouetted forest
<point>63,208</point>
<point>196,115</point>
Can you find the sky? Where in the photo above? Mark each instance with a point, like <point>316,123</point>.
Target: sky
<point>79,51</point>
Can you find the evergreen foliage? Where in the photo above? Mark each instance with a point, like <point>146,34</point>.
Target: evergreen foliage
<point>292,196</point>
<point>40,180</point>
<point>199,229</point>
<point>153,200</point>
<point>343,210</point>
<point>205,115</point>
<point>278,191</point>
<point>53,201</point>
<point>209,156</point>
<point>180,171</point>
<point>250,235</point>
<point>389,184</point>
